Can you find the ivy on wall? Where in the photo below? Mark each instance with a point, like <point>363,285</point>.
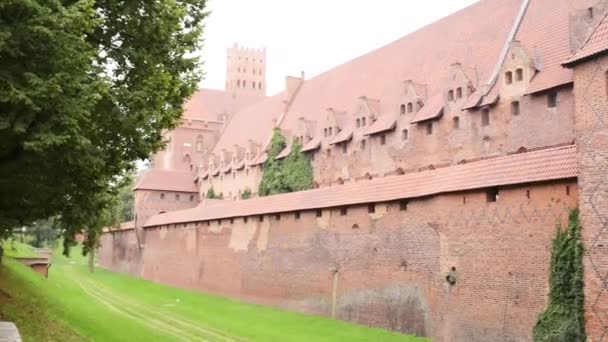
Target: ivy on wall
<point>294,173</point>
<point>211,193</point>
<point>564,317</point>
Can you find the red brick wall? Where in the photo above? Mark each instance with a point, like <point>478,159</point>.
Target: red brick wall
<point>391,266</point>
<point>591,92</point>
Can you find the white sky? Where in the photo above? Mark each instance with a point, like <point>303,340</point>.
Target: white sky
<point>310,35</point>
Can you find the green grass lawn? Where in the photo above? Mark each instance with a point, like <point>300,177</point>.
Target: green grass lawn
<point>73,305</point>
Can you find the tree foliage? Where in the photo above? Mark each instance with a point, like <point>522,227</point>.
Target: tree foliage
<point>564,318</point>
<point>86,89</point>
<point>294,173</point>
<point>211,193</point>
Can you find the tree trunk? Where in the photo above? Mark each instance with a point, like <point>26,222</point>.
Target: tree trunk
<point>92,261</point>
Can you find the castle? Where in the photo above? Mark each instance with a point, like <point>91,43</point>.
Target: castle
<point>454,151</point>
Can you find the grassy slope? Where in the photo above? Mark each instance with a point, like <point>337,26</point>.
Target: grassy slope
<point>107,306</point>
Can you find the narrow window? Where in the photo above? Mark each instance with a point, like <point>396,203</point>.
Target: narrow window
<point>485,117</point>
<point>567,190</point>
<point>382,139</point>
<point>528,194</point>
<point>552,100</point>
<point>402,109</point>
<point>456,122</point>
<point>363,121</point>
<point>451,95</point>
<point>492,195</point>
<point>358,123</point>
<point>362,144</point>
<point>343,211</point>
<point>177,197</point>
<point>405,135</point>
<point>277,217</point>
<point>459,92</point>
<point>238,83</point>
<point>261,218</point>
<point>590,12</point>
<point>508,77</point>
<point>319,213</point>
<point>244,83</point>
<point>232,220</point>
<point>371,208</point>
<point>519,75</point>
<point>297,215</point>
<point>233,175</point>
<point>260,83</point>
<point>191,198</point>
<point>515,107</point>
<point>328,153</point>
<point>344,148</point>
<point>331,131</point>
<point>325,132</point>
<point>429,128</point>
<point>245,219</point>
<point>403,205</point>
<point>410,107</point>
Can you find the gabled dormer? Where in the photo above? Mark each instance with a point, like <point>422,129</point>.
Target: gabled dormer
<point>304,129</point>
<point>517,71</point>
<point>366,113</point>
<point>413,95</point>
<point>332,123</point>
<point>460,84</point>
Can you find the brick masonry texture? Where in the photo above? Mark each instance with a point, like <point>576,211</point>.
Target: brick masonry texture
<point>591,89</point>
<point>391,264</point>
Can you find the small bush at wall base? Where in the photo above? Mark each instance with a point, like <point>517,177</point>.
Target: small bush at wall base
<point>564,318</point>
<point>211,193</point>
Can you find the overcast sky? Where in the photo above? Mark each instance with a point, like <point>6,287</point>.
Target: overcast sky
<point>310,35</point>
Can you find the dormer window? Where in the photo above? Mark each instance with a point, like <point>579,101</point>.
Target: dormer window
<point>331,131</point>
<point>519,75</point>
<point>363,121</point>
<point>358,123</point>
<point>402,109</point>
<point>410,107</point>
<point>590,12</point>
<point>451,95</point>
<point>459,92</point>
<point>325,132</point>
<point>508,77</point>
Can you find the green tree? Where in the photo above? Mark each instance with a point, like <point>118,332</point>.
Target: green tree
<point>293,173</point>
<point>564,318</point>
<point>86,89</point>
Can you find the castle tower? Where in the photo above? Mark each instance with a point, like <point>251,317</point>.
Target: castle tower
<point>246,71</point>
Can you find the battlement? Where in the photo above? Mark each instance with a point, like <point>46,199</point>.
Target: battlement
<point>246,70</point>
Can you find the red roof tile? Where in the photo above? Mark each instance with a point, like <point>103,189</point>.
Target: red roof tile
<point>384,123</point>
<point>552,77</point>
<point>344,135</point>
<point>596,43</point>
<point>261,159</point>
<point>208,104</point>
<point>431,110</point>
<point>313,144</point>
<point>491,97</point>
<point>284,153</point>
<point>169,180</point>
<point>543,165</point>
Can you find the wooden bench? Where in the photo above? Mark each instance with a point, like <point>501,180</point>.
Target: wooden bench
<point>9,332</point>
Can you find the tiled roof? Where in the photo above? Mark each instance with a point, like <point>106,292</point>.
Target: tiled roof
<point>313,144</point>
<point>431,110</point>
<point>537,166</point>
<point>284,153</point>
<point>491,97</point>
<point>384,123</point>
<point>344,135</point>
<point>545,34</point>
<point>208,104</point>
<point>597,43</point>
<point>261,159</point>
<point>168,180</point>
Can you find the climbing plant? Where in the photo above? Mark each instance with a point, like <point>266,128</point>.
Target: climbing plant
<point>211,193</point>
<point>246,194</point>
<point>564,318</point>
<point>294,173</point>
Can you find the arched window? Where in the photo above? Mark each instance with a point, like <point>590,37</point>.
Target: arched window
<point>331,131</point>
<point>519,75</point>
<point>485,117</point>
<point>358,123</point>
<point>199,143</point>
<point>402,109</point>
<point>405,135</point>
<point>410,107</point>
<point>456,121</point>
<point>459,92</point>
<point>363,144</point>
<point>450,95</point>
<point>508,77</point>
<point>238,83</point>
<point>515,108</point>
<point>363,121</point>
